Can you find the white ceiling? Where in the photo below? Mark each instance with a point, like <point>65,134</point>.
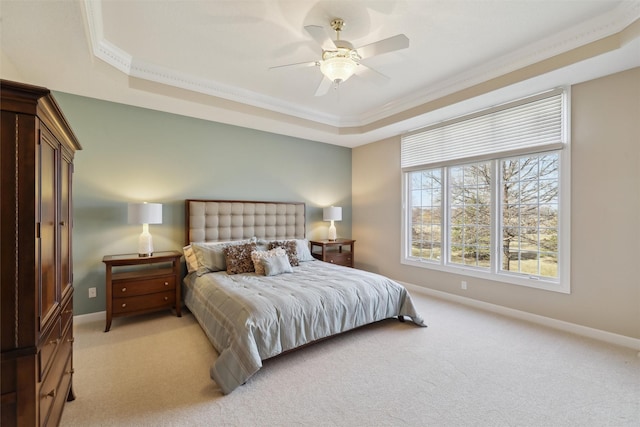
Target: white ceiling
<point>211,59</point>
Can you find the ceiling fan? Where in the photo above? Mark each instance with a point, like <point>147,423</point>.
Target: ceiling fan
<point>340,60</point>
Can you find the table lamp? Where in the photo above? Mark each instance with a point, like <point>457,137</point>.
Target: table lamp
<point>332,213</point>
<point>145,214</point>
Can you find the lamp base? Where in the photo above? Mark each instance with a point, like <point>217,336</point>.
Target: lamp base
<point>145,244</point>
<point>332,232</point>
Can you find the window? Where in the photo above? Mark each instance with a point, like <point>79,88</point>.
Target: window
<point>426,214</point>
<point>487,195</point>
<point>470,214</point>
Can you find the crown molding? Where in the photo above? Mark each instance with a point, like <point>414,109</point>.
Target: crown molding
<point>133,67</point>
<point>589,31</point>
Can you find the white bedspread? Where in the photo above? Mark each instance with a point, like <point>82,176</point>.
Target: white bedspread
<point>250,318</point>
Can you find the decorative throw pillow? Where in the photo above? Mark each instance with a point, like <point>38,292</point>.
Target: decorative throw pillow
<point>288,245</point>
<point>276,265</point>
<point>258,255</point>
<point>190,259</point>
<point>238,258</point>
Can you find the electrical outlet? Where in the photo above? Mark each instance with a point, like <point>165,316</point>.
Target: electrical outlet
<point>463,285</point>
<point>92,292</point>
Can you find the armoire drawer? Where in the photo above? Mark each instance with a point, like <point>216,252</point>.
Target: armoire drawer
<point>66,314</point>
<point>48,346</point>
<point>54,380</point>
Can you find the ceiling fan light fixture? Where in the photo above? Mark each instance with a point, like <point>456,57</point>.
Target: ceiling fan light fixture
<point>338,69</point>
<point>341,60</point>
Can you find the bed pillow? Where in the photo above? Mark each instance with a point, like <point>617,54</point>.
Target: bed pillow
<point>211,256</point>
<point>258,255</point>
<point>290,247</point>
<point>238,258</point>
<point>263,245</point>
<point>275,265</point>
<point>302,250</point>
<point>190,259</point>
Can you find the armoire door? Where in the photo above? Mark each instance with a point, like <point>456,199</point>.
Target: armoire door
<point>47,243</point>
<point>65,223</point>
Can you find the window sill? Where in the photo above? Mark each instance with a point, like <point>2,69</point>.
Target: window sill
<point>513,279</point>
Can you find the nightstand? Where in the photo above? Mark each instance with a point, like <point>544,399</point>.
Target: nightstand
<point>339,251</point>
<point>142,284</point>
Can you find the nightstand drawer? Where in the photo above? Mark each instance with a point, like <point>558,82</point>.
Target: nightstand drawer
<point>339,258</point>
<point>126,288</point>
<point>144,302</point>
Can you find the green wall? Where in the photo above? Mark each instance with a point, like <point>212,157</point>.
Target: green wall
<point>135,154</point>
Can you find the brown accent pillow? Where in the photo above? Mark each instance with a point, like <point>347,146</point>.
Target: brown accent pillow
<point>290,247</point>
<point>239,258</point>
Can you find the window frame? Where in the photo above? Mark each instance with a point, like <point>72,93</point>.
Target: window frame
<point>560,284</point>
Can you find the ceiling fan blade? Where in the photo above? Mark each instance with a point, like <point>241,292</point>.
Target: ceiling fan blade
<point>371,74</point>
<point>324,86</point>
<point>384,46</point>
<point>320,35</point>
<point>297,65</point>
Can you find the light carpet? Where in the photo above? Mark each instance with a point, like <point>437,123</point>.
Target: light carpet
<point>468,368</point>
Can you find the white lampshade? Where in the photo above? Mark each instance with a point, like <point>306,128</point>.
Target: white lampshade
<point>145,214</point>
<point>338,69</point>
<point>332,213</point>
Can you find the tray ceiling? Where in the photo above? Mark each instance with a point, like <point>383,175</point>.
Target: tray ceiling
<point>211,59</point>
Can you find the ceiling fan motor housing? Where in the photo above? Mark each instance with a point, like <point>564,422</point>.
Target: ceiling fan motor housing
<point>337,24</point>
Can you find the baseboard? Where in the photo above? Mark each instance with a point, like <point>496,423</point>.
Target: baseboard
<point>585,331</point>
<point>90,317</point>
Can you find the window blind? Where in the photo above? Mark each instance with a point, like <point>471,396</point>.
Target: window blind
<point>534,122</point>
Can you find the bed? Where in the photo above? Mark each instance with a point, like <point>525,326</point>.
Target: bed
<point>257,292</point>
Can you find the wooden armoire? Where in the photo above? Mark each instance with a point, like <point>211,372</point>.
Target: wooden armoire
<point>37,147</point>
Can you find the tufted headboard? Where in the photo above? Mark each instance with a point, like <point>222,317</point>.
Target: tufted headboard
<point>224,220</point>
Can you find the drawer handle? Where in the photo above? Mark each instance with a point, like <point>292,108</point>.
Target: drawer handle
<point>166,298</point>
<point>68,311</point>
<point>166,283</point>
<point>331,261</point>
<point>71,371</point>
<point>72,339</point>
<point>55,342</point>
<point>124,289</point>
<point>124,305</point>
<point>52,393</point>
